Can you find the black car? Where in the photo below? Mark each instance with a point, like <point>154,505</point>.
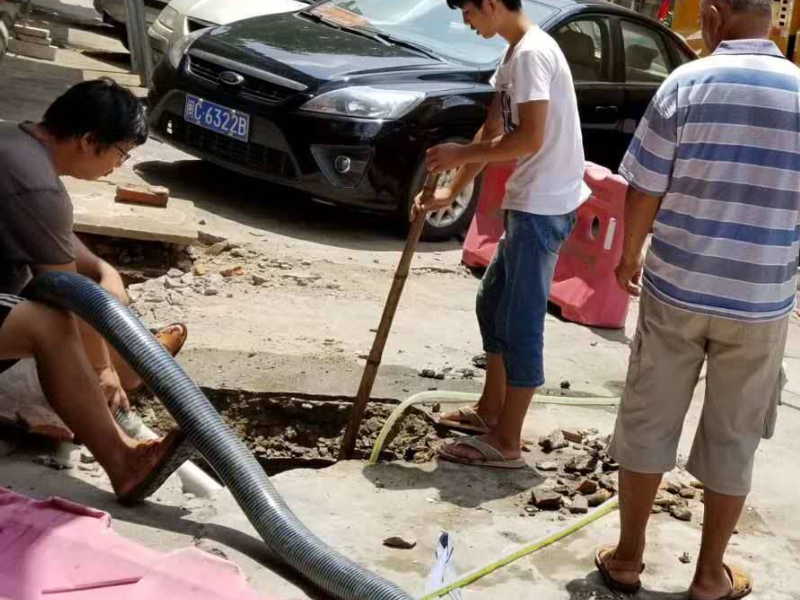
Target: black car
<point>341,100</point>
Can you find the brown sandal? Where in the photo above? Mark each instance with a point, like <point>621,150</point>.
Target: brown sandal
<point>172,337</point>
<point>605,562</point>
<point>741,585</point>
<point>176,450</point>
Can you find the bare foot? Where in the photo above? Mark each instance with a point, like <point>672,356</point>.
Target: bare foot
<point>142,460</point>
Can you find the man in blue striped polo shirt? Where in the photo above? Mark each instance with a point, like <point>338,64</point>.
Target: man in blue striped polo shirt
<point>714,172</point>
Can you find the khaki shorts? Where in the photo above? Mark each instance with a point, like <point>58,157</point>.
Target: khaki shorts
<point>742,393</point>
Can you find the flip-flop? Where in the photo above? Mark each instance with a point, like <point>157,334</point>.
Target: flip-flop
<point>490,456</point>
<point>174,344</point>
<point>171,344</point>
<point>741,585</point>
<point>605,564</point>
<point>471,421</point>
<point>178,451</point>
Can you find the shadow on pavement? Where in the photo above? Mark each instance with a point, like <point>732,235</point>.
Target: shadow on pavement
<point>273,208</point>
<point>461,485</point>
<point>591,587</point>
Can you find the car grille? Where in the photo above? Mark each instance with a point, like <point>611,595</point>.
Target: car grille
<point>269,161</point>
<point>253,88</point>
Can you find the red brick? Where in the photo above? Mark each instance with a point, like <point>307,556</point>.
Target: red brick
<point>149,195</point>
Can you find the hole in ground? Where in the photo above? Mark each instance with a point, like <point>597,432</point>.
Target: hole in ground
<point>290,431</point>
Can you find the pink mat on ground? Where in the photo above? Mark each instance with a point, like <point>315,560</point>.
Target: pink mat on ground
<point>58,550</point>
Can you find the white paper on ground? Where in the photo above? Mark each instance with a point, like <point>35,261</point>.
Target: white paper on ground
<point>443,571</point>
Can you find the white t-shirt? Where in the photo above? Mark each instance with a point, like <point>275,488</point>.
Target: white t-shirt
<point>550,181</point>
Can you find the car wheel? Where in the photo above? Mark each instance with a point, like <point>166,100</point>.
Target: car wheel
<point>453,220</point>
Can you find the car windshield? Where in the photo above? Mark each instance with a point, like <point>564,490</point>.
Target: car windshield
<point>430,24</point>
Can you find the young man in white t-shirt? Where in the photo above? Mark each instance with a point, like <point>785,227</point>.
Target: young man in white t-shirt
<point>534,121</point>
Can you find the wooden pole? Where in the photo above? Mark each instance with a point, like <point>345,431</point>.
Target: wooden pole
<point>389,309</point>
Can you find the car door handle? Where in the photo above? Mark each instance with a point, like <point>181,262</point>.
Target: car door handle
<point>607,110</point>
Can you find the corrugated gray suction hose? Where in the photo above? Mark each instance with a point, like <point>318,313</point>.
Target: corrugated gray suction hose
<point>282,531</point>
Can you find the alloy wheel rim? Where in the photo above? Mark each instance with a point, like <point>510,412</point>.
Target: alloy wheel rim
<point>450,214</point>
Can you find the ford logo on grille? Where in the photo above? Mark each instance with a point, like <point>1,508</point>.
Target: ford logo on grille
<point>231,78</point>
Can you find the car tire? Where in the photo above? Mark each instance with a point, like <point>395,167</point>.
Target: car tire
<point>438,226</point>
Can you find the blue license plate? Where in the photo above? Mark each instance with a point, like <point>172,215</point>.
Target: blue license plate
<point>217,118</point>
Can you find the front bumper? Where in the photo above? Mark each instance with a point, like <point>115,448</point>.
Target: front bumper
<point>292,148</point>
<point>160,38</point>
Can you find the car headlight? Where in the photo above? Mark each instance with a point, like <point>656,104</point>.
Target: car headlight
<point>178,48</point>
<point>365,102</point>
<point>168,18</point>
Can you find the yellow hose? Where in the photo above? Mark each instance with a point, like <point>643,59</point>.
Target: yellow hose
<point>467,398</point>
<point>602,510</point>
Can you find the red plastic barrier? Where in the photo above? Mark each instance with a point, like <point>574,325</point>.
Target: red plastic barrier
<point>487,223</point>
<point>584,284</point>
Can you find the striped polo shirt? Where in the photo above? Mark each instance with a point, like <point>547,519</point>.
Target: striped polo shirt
<point>720,143</point>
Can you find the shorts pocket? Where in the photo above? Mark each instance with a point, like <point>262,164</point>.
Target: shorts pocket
<point>771,418</point>
<point>553,230</point>
<point>635,360</point>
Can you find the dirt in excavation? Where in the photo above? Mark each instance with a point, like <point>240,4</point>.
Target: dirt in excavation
<point>287,431</point>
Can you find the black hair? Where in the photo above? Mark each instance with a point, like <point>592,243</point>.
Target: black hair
<point>102,108</point>
<point>513,5</point>
<point>756,7</point>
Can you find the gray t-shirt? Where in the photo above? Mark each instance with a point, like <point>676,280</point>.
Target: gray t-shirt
<point>35,209</point>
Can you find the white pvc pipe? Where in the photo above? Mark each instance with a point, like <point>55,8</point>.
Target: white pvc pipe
<point>194,480</point>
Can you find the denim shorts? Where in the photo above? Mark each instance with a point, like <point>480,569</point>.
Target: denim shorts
<point>512,298</point>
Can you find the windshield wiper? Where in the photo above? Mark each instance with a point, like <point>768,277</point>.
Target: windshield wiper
<point>410,45</point>
<point>354,30</point>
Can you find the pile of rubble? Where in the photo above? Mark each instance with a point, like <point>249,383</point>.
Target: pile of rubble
<point>220,268</point>
<point>580,474</point>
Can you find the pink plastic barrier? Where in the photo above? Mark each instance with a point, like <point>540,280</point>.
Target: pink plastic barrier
<point>584,285</point>
<point>56,549</point>
<point>487,223</point>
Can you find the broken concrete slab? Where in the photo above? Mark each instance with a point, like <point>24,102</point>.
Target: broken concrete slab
<point>682,513</point>
<point>554,441</point>
<point>30,31</point>
<point>96,212</point>
<point>587,487</point>
<point>579,506</point>
<point>583,463</point>
<point>599,497</point>
<point>545,499</point>
<point>32,50</point>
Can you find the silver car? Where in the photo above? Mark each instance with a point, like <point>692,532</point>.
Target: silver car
<point>115,13</point>
<point>183,17</point>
